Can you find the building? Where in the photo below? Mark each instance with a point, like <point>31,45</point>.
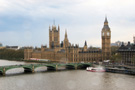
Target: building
<point>54,37</point>
<point>127,53</point>
<point>106,41</point>
<point>116,44</point>
<point>1,46</point>
<point>134,39</point>
<point>13,47</point>
<point>67,52</point>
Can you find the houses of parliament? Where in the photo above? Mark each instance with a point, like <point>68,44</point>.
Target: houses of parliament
<point>67,52</point>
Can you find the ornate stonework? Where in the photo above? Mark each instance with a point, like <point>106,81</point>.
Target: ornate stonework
<point>65,52</point>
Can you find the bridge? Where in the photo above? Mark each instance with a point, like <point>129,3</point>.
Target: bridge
<point>54,66</point>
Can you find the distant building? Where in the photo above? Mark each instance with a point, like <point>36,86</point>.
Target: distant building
<point>1,45</point>
<point>13,47</point>
<point>117,44</point>
<point>127,53</point>
<point>67,52</point>
<point>134,39</point>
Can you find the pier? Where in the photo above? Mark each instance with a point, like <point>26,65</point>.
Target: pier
<point>121,69</point>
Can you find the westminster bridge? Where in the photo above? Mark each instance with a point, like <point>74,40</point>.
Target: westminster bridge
<point>54,66</point>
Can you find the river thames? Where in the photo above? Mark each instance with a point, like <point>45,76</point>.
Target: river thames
<point>16,79</point>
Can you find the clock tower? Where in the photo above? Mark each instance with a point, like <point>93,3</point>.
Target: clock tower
<point>106,41</point>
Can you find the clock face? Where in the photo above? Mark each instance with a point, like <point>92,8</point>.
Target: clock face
<point>103,34</point>
<point>108,33</point>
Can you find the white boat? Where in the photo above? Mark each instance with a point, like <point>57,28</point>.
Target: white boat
<point>98,69</point>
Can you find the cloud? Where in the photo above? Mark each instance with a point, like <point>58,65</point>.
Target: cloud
<point>82,18</point>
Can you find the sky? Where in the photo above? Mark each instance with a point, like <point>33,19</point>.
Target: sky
<point>26,22</point>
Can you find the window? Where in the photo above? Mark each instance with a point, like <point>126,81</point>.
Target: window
<point>108,33</point>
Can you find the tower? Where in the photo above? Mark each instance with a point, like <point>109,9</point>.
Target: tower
<point>106,41</point>
<point>28,53</point>
<point>85,46</point>
<point>54,37</point>
<point>134,39</point>
<point>66,42</point>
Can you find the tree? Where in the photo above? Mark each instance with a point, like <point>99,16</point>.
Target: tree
<point>11,54</point>
<point>116,58</point>
<point>114,49</point>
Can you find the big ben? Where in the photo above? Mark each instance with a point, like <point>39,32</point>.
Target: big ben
<point>106,41</point>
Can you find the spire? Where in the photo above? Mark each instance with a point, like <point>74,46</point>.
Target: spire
<point>85,46</point>
<point>106,26</point>
<point>85,43</point>
<point>58,27</point>
<point>106,21</point>
<point>53,26</point>
<point>65,33</point>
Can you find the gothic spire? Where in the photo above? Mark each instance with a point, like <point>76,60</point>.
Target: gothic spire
<point>85,44</point>
<point>106,21</point>
<point>65,33</point>
<point>106,26</point>
<point>58,27</point>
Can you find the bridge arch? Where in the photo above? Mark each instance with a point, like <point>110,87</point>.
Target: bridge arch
<point>4,69</point>
<point>85,65</point>
<point>1,72</point>
<point>40,67</point>
<point>49,66</point>
<point>71,66</point>
<point>14,70</point>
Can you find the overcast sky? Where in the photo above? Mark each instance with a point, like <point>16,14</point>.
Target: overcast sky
<point>26,22</point>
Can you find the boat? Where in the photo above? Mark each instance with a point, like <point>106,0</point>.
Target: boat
<point>98,69</point>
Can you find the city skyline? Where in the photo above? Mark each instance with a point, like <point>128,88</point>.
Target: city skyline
<point>26,23</point>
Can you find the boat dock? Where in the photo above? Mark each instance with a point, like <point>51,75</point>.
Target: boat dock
<point>121,69</point>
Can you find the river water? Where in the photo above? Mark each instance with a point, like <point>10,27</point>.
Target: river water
<point>15,79</point>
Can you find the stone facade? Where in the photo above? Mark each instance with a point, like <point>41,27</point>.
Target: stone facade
<point>106,41</point>
<point>65,52</point>
<point>127,53</point>
<point>54,37</point>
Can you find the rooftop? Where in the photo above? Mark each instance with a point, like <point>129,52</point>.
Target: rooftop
<point>128,47</point>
